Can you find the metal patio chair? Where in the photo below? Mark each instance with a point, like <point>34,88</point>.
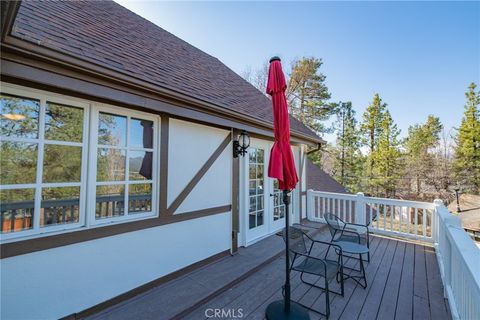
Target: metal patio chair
<point>349,232</point>
<point>304,262</point>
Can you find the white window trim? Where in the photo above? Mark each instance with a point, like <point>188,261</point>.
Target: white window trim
<point>88,171</point>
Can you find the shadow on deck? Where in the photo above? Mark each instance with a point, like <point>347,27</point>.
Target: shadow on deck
<point>403,283</point>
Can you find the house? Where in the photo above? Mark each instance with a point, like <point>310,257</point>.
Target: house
<point>118,165</point>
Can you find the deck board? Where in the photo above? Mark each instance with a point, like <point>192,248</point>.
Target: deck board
<point>403,283</point>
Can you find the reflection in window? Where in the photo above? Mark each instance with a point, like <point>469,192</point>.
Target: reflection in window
<point>140,165</point>
<point>63,123</point>
<point>256,187</point>
<point>112,129</point>
<point>141,133</point>
<point>139,198</point>
<point>62,163</point>
<point>19,117</point>
<point>18,162</point>
<point>110,201</point>
<point>17,209</point>
<point>60,205</point>
<point>110,164</point>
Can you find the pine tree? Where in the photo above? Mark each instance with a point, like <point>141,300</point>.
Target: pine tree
<point>370,130</point>
<point>307,94</point>
<point>467,151</point>
<point>421,139</point>
<point>386,170</point>
<point>347,153</point>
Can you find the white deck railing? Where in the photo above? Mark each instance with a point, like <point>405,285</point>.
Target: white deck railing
<point>457,255</point>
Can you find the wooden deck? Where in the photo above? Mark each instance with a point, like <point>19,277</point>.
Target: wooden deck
<point>403,283</point>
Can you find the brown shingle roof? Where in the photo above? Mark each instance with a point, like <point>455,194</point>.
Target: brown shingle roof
<point>319,180</point>
<point>105,33</point>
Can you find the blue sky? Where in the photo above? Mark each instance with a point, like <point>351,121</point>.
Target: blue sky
<point>419,56</point>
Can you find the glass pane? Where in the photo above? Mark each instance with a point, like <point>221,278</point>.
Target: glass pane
<point>110,164</point>
<point>62,163</point>
<point>17,208</point>
<point>139,198</point>
<point>18,162</point>
<point>260,156</point>
<point>260,171</point>
<point>140,165</point>
<point>252,171</point>
<point>141,133</point>
<point>282,212</point>
<point>110,201</point>
<point>112,129</point>
<point>59,205</point>
<point>259,218</point>
<point>19,117</point>
<point>63,123</point>
<point>260,186</point>
<point>252,220</point>
<point>252,187</point>
<point>252,154</point>
<point>253,204</point>
<point>260,203</point>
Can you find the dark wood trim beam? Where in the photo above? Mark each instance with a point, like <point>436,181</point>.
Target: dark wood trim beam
<point>235,199</point>
<point>9,10</point>
<point>144,288</point>
<point>164,133</point>
<point>20,247</point>
<point>203,170</point>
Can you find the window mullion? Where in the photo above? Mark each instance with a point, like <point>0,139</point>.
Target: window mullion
<point>39,178</point>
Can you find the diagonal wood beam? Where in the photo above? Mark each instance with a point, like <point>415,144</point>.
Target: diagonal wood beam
<point>203,170</point>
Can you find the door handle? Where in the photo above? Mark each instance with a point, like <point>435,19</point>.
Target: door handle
<point>271,194</point>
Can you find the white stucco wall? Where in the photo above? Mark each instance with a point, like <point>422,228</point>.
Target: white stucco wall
<point>54,283</point>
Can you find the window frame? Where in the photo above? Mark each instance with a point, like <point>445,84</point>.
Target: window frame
<point>88,169</point>
<point>96,108</point>
<point>43,98</point>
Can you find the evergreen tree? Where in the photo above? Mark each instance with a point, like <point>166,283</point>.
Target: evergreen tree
<point>386,170</point>
<point>347,153</point>
<point>467,151</point>
<point>421,139</point>
<point>371,129</point>
<point>307,94</point>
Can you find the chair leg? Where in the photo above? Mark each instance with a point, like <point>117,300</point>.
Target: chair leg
<point>327,299</point>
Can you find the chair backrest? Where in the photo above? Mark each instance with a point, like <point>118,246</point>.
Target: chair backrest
<point>335,224</point>
<point>297,240</point>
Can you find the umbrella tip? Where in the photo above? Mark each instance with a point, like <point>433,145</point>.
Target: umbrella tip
<point>275,58</point>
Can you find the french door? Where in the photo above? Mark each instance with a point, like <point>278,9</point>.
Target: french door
<point>263,210</point>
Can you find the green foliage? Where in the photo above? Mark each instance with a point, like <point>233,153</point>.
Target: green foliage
<point>467,151</point>
<point>307,94</point>
<point>421,139</point>
<point>347,155</point>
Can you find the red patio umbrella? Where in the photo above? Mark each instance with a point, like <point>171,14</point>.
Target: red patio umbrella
<point>282,167</point>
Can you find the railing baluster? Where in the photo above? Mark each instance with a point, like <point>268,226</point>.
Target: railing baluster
<point>408,213</point>
<point>63,214</point>
<point>391,217</point>
<point>416,221</point>
<point>424,222</point>
<point>400,226</point>
<point>384,217</point>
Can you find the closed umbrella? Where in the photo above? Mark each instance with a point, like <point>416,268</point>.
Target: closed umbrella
<point>282,167</point>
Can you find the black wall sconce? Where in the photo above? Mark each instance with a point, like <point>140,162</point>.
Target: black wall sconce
<point>241,144</point>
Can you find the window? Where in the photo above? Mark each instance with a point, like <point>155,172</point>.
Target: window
<point>50,145</point>
<point>125,165</point>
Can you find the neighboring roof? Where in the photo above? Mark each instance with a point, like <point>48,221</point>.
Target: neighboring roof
<point>107,34</point>
<point>319,180</point>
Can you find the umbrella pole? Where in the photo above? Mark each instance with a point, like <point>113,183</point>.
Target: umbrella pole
<point>286,202</point>
<point>285,309</point>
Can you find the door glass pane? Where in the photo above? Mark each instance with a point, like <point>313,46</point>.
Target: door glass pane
<point>139,198</point>
<point>63,123</point>
<point>16,209</point>
<point>112,129</point>
<point>141,133</point>
<point>19,117</point>
<point>62,163</point>
<point>279,207</point>
<point>256,188</point>
<point>110,164</point>
<point>60,205</point>
<point>140,165</point>
<point>18,162</point>
<point>110,201</point>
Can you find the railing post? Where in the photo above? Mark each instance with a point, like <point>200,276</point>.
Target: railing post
<point>438,203</point>
<point>360,212</point>
<point>309,205</point>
